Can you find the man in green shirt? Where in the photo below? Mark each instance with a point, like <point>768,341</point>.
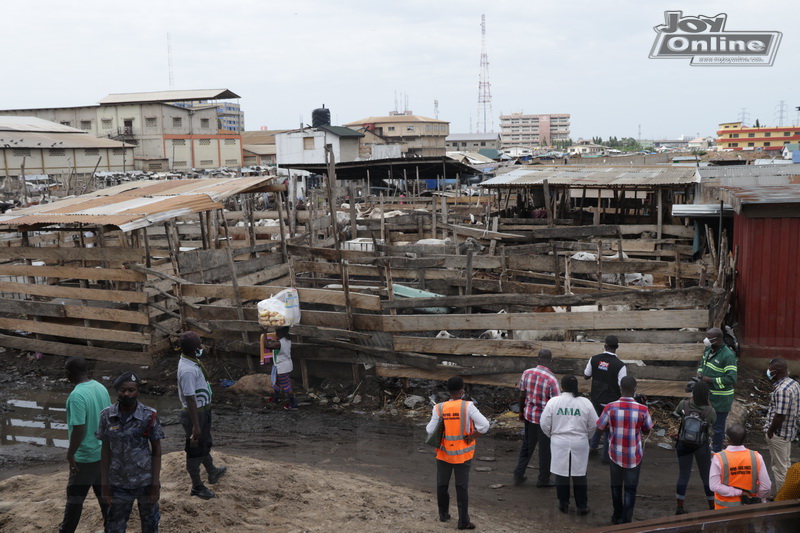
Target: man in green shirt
<point>718,370</point>
<point>84,404</point>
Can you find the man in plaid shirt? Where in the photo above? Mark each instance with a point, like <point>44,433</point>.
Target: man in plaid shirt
<point>781,423</point>
<point>627,421</point>
<point>536,386</point>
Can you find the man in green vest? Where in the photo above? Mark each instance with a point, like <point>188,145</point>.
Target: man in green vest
<point>718,370</point>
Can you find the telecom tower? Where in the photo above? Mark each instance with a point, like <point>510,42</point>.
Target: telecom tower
<point>781,113</point>
<point>484,87</point>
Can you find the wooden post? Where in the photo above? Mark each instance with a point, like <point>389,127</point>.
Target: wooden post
<point>251,219</point>
<point>547,203</point>
<point>235,284</point>
<point>620,254</point>
<point>444,216</point>
<point>597,213</point>
<point>556,269</point>
<point>281,225</point>
<point>335,232</point>
<point>468,289</point>
<point>493,242</point>
<point>433,217</point>
<point>292,204</point>
<point>567,269</point>
<point>599,266</point>
<point>353,223</point>
<point>383,222</point>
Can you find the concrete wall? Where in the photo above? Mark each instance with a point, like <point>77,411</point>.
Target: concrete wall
<point>64,161</point>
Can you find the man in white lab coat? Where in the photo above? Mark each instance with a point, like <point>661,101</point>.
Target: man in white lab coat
<point>569,420</point>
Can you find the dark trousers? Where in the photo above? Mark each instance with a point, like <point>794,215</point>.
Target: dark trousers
<point>579,485</point>
<point>534,435</point>
<point>595,440</point>
<point>627,478</point>
<point>122,504</point>
<point>718,429</point>
<point>702,456</point>
<point>201,452</point>
<point>443,472</point>
<point>87,476</point>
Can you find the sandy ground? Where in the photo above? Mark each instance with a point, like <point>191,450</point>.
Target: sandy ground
<point>329,466</point>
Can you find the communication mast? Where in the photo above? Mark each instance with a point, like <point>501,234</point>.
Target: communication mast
<point>169,62</point>
<point>485,119</point>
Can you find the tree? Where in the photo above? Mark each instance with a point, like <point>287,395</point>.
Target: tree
<point>758,125</point>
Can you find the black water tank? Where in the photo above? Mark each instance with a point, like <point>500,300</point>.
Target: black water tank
<point>320,117</point>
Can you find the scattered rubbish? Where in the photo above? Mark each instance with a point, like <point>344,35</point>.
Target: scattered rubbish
<point>664,445</point>
<point>226,382</point>
<point>661,432</point>
<point>496,486</point>
<point>487,459</point>
<point>482,469</point>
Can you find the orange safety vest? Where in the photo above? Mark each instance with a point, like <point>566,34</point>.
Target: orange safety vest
<point>457,425</point>
<point>740,470</point>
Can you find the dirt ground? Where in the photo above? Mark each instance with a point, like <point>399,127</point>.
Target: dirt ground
<point>352,458</point>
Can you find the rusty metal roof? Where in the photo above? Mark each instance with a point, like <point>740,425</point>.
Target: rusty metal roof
<point>771,195</point>
<point>134,205</point>
<point>594,176</point>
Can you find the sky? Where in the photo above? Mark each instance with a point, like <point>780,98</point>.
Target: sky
<point>367,58</point>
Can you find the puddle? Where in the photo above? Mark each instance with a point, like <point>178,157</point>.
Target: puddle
<point>39,417</point>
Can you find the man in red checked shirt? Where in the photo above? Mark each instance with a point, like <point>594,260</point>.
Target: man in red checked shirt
<point>627,420</point>
<point>536,386</point>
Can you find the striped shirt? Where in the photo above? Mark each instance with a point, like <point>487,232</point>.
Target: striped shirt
<point>539,385</point>
<point>626,419</point>
<point>785,400</point>
<point>192,382</point>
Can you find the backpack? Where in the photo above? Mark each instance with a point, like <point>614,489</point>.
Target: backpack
<point>694,428</point>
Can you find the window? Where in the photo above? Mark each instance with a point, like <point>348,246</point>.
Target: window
<point>734,135</point>
<point>21,152</point>
<point>57,152</point>
<point>444,129</point>
<point>230,142</point>
<point>231,162</point>
<point>178,142</point>
<point>787,133</point>
<point>205,142</point>
<point>751,144</point>
<point>767,143</point>
<point>390,128</point>
<point>206,162</point>
<point>768,134</point>
<point>427,127</point>
<point>177,122</point>
<point>410,128</point>
<point>179,164</point>
<point>751,134</point>
<point>435,127</point>
<point>204,123</point>
<point>86,125</point>
<point>91,151</point>
<point>308,143</point>
<point>483,143</point>
<point>107,123</point>
<point>150,122</point>
<point>734,145</point>
<point>117,151</point>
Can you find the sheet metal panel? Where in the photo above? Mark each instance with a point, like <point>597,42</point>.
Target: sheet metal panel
<point>590,176</point>
<point>767,292</point>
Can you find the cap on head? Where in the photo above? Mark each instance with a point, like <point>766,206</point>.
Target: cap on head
<point>612,341</point>
<point>455,384</point>
<point>125,377</point>
<point>190,342</point>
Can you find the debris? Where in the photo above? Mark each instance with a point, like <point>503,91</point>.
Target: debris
<point>414,401</point>
<point>496,486</point>
<point>664,445</point>
<point>482,469</point>
<point>487,459</point>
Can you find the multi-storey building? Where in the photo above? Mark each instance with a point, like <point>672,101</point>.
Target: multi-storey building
<point>166,136</point>
<point>418,136</point>
<point>737,136</point>
<point>519,129</point>
<point>229,114</point>
<point>472,142</point>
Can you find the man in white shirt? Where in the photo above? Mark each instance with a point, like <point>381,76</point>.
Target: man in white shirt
<point>738,475</point>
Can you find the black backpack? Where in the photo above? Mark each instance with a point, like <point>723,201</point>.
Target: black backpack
<point>694,428</point>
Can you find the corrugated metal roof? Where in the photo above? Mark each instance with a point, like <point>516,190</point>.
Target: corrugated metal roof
<point>700,210</point>
<point>34,124</point>
<point>394,118</point>
<point>135,204</point>
<point>341,131</point>
<point>260,149</point>
<point>773,194</point>
<point>593,176</point>
<point>40,141</point>
<point>168,96</point>
<point>741,173</point>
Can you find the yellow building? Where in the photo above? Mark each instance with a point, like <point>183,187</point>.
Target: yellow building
<point>418,136</point>
<point>737,136</point>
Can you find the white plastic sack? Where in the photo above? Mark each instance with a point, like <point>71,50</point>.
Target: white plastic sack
<point>283,309</point>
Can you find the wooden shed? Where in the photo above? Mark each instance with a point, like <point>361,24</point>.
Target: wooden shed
<point>767,245</point>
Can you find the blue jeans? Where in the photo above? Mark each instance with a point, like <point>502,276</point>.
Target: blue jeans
<point>685,455</point>
<point>534,435</point>
<point>629,479</point>
<point>122,504</point>
<point>719,431</point>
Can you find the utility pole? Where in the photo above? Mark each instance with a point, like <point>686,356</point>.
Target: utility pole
<point>484,87</point>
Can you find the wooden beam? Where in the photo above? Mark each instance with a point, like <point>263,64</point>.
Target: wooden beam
<point>118,255</point>
<point>67,272</point>
<point>260,292</point>
<point>88,352</point>
<point>75,332</point>
<point>57,291</point>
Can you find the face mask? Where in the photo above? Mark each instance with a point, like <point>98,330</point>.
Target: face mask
<point>127,401</point>
<point>770,375</point>
<point>198,353</point>
<point>707,342</point>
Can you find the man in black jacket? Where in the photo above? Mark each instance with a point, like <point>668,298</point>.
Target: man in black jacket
<point>606,372</point>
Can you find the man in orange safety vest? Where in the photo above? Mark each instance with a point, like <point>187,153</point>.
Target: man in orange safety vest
<point>738,476</point>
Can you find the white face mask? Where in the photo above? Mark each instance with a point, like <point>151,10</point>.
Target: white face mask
<point>707,342</point>
<point>198,353</point>
<point>770,375</point>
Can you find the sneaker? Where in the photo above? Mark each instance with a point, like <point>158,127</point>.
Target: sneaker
<point>544,484</point>
<point>203,492</point>
<point>681,510</point>
<point>519,480</point>
<point>290,407</point>
<point>583,511</point>
<point>218,473</point>
<point>466,526</point>
<point>444,517</point>
<point>563,507</point>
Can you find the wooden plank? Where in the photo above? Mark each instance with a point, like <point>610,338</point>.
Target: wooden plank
<point>67,272</point>
<point>74,331</point>
<point>57,291</point>
<point>328,319</point>
<point>675,319</point>
<point>544,263</point>
<point>478,233</point>
<point>671,389</point>
<point>654,299</point>
<point>118,255</point>
<point>260,292</point>
<point>561,350</point>
<point>88,352</point>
